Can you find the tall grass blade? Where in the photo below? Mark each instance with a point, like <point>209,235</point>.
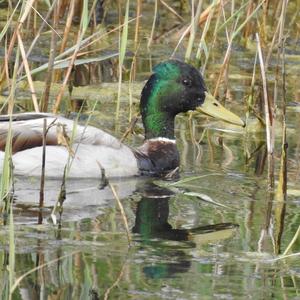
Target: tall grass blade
<point>153,25</point>
<point>12,248</point>
<point>83,26</point>
<point>269,113</point>
<point>26,10</point>
<point>9,21</point>
<point>83,44</point>
<point>6,176</point>
<point>202,43</point>
<point>27,69</point>
<point>237,31</point>
<point>49,76</point>
<point>194,25</point>
<point>85,16</point>
<point>232,17</point>
<point>53,29</point>
<point>122,51</point>
<point>269,118</point>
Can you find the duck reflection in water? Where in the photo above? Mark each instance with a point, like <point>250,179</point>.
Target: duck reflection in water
<point>152,225</point>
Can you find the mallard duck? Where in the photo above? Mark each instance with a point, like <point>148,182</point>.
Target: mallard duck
<point>174,87</point>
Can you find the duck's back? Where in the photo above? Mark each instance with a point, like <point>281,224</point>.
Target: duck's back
<point>92,148</point>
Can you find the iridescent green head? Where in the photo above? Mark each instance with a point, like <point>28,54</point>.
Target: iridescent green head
<point>177,87</point>
<point>174,87</point>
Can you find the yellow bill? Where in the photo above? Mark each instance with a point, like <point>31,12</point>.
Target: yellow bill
<point>213,108</point>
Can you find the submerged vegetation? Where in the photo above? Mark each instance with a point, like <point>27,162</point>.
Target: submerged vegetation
<point>88,60</point>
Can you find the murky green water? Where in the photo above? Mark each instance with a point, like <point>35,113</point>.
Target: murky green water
<point>182,248</point>
<point>217,243</point>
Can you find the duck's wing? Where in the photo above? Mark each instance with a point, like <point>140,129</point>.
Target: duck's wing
<point>27,132</point>
<point>23,117</point>
<point>24,138</point>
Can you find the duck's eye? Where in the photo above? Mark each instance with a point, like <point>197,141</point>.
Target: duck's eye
<point>187,82</point>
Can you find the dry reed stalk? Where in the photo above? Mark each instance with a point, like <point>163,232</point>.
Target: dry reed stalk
<point>271,47</point>
<point>279,31</point>
<point>281,192</point>
<point>137,23</point>
<point>28,25</point>
<point>173,11</point>
<point>131,78</point>
<point>225,21</point>
<point>6,68</point>
<point>204,15</point>
<point>86,42</point>
<point>66,34</point>
<point>264,19</point>
<point>10,6</point>
<point>27,70</point>
<point>48,81</point>
<point>6,179</point>
<point>225,64</point>
<point>193,30</point>
<point>67,25</point>
<point>21,21</point>
<point>85,18</point>
<point>11,97</point>
<point>42,183</point>
<point>12,249</point>
<point>250,100</point>
<point>67,76</point>
<point>269,108</point>
<point>122,212</point>
<point>54,2</point>
<point>224,71</point>
<point>183,35</point>
<point>8,54</point>
<point>38,34</point>
<point>248,26</point>
<point>35,19</point>
<point>153,25</point>
<point>123,39</point>
<point>214,38</point>
<point>202,44</point>
<point>27,10</point>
